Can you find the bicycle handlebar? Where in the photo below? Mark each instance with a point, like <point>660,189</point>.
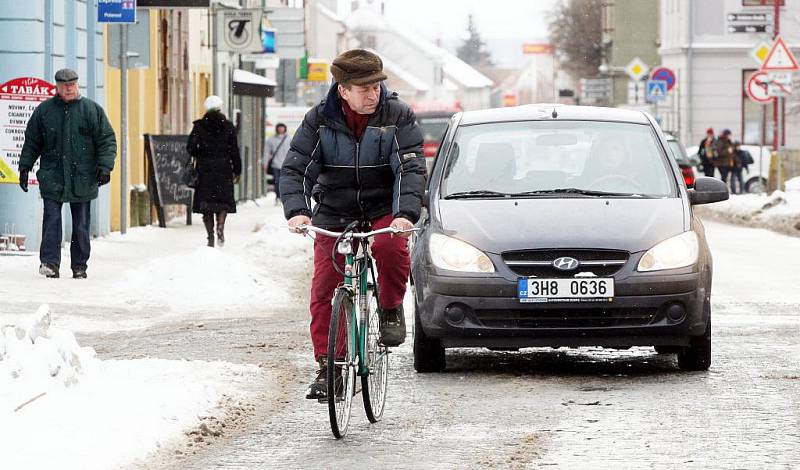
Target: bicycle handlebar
<point>322,231</point>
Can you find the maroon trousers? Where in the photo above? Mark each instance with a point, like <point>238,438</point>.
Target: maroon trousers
<point>393,263</point>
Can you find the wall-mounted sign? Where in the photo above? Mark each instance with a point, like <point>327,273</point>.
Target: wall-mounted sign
<point>239,30</point>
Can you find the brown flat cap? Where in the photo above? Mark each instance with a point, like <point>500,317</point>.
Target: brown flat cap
<point>357,67</point>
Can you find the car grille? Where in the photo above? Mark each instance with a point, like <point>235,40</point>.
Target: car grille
<point>539,263</point>
<point>566,317</point>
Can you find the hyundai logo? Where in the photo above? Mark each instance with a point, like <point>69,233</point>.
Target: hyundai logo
<point>565,263</point>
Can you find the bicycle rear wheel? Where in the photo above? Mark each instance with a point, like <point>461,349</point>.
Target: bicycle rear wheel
<point>373,386</point>
<point>342,368</point>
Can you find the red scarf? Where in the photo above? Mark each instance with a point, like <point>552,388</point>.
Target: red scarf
<point>356,122</point>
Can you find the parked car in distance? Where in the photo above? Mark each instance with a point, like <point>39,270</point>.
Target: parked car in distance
<point>433,125</point>
<point>552,225</point>
<point>687,162</point>
<point>755,177</point>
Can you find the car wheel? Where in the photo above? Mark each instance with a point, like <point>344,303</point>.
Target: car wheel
<point>697,356</point>
<point>428,352</point>
<point>755,185</point>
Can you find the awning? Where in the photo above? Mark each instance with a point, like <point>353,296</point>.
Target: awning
<point>251,84</point>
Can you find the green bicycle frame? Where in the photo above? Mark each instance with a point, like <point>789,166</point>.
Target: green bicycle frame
<point>362,264</point>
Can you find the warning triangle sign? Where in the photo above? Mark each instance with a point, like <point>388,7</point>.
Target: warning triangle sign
<point>779,58</point>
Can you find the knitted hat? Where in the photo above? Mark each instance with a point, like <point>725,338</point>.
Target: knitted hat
<point>213,102</point>
<point>357,67</point>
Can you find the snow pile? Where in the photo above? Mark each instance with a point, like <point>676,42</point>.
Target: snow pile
<point>35,360</point>
<point>779,211</point>
<point>61,407</point>
<point>793,184</point>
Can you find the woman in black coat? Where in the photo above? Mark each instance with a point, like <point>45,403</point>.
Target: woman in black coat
<point>215,151</point>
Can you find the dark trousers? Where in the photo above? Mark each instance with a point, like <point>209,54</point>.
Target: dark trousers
<point>737,184</point>
<point>724,171</point>
<point>276,180</point>
<point>50,250</point>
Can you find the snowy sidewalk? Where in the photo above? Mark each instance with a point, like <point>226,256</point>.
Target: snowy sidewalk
<point>62,407</point>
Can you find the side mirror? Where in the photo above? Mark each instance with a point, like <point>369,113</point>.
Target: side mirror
<point>707,190</point>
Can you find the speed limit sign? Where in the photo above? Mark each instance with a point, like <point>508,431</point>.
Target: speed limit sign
<point>757,88</point>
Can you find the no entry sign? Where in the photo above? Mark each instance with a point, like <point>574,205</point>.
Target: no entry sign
<point>18,99</point>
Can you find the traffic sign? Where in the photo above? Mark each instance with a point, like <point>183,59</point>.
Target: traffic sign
<point>636,69</point>
<point>757,88</point>
<point>780,58</point>
<point>760,52</point>
<point>665,74</point>
<point>656,91</point>
<point>780,84</point>
<point>116,11</point>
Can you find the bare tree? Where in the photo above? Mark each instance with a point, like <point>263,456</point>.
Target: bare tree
<point>576,32</point>
<point>472,51</point>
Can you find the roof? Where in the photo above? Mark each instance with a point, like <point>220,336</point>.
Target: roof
<point>243,76</point>
<point>535,112</point>
<point>367,19</point>
<point>402,74</point>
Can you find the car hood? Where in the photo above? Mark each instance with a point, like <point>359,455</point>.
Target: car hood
<point>497,225</point>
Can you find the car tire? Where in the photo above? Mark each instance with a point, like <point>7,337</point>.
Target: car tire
<point>755,185</point>
<point>428,352</point>
<point>697,356</point>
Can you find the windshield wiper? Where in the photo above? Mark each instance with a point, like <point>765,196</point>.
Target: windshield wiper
<point>475,194</point>
<point>584,192</point>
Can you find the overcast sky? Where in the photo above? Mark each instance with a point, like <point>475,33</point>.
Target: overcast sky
<point>504,24</point>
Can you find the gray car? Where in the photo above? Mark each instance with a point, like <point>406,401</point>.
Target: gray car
<point>552,225</point>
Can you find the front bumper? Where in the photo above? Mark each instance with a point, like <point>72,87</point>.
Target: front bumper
<point>648,310</point>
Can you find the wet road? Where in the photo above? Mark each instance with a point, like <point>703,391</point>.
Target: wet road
<point>571,408</point>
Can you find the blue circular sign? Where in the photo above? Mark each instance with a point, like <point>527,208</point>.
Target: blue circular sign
<point>663,73</point>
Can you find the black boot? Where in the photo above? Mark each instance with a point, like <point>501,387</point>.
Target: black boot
<point>221,216</point>
<point>392,326</point>
<point>318,390</point>
<point>208,221</point>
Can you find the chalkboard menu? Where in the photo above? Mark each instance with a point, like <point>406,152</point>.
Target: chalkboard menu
<point>167,157</point>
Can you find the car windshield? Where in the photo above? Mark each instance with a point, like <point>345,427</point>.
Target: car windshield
<point>557,158</point>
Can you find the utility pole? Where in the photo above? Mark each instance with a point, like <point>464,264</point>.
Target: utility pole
<point>778,103</point>
<point>123,183</point>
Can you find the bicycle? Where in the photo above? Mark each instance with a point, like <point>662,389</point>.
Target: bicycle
<point>353,335</point>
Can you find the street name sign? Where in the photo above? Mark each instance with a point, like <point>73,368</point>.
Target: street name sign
<point>18,98</point>
<point>116,11</point>
<point>636,69</point>
<point>780,58</point>
<point>656,91</point>
<point>757,88</point>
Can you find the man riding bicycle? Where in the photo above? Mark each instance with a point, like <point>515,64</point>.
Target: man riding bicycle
<point>358,155</point>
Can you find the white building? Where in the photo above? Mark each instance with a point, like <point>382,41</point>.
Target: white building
<point>713,66</point>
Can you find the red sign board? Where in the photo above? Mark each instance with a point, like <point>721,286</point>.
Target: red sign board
<point>18,99</point>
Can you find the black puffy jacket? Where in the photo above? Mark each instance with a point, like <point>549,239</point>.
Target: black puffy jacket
<point>384,173</point>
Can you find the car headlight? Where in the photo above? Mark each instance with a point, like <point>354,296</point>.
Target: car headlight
<point>676,252</point>
<point>455,255</point>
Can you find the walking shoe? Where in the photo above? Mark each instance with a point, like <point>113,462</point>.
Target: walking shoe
<point>318,390</point>
<point>48,270</point>
<point>78,273</point>
<point>392,326</point>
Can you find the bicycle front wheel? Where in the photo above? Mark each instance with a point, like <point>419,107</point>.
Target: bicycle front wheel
<point>373,385</point>
<point>342,363</point>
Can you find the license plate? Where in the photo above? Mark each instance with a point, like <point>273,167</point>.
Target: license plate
<point>594,289</point>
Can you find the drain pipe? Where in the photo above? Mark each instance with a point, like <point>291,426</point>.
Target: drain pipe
<point>690,75</point>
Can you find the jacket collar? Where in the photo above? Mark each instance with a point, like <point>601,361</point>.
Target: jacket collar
<point>332,107</point>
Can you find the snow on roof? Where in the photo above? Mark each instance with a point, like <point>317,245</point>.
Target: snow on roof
<point>328,13</point>
<point>367,19</point>
<point>403,74</point>
<point>243,76</point>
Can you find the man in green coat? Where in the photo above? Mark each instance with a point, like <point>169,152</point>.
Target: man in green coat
<point>77,146</point>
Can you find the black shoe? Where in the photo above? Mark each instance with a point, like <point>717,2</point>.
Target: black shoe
<point>78,273</point>
<point>211,241</point>
<point>318,390</point>
<point>392,326</point>
<point>48,270</point>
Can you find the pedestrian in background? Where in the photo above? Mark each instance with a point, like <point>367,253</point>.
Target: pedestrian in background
<point>725,155</point>
<point>707,151</point>
<point>215,149</point>
<point>275,154</point>
<point>77,146</point>
<point>743,159</point>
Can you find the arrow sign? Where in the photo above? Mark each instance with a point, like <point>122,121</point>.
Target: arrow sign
<point>757,88</point>
<point>780,58</point>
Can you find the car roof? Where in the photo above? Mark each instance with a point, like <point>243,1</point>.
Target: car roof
<point>544,112</point>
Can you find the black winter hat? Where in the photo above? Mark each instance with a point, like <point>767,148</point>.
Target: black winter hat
<point>357,67</point>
